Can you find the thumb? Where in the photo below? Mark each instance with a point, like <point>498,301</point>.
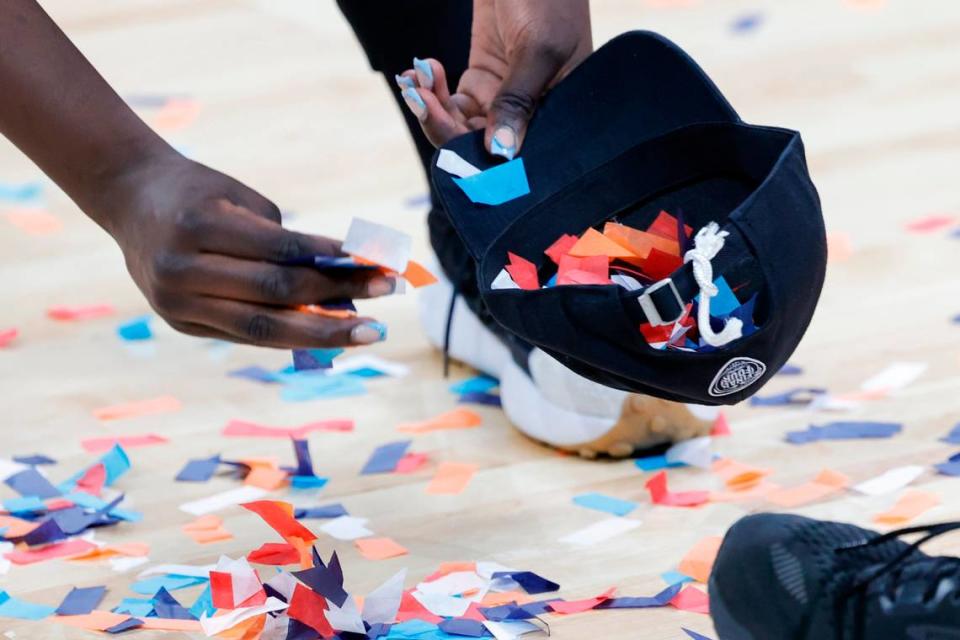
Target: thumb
<point>530,73</point>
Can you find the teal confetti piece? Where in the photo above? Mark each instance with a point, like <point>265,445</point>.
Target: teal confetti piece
<point>607,504</point>
<point>496,186</point>
<point>136,329</point>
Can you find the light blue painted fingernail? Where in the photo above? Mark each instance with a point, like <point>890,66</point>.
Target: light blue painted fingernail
<point>504,142</point>
<point>404,82</point>
<point>380,328</point>
<point>424,73</point>
<point>416,103</point>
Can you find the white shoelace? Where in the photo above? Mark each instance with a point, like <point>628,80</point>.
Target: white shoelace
<point>707,244</point>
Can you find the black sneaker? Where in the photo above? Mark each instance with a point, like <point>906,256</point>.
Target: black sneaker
<point>791,578</point>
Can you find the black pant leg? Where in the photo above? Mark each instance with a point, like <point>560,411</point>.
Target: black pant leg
<point>392,32</point>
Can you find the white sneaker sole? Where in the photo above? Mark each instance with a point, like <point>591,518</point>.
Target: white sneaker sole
<point>643,421</point>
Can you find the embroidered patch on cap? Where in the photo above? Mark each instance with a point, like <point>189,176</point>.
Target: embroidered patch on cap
<point>736,375</point>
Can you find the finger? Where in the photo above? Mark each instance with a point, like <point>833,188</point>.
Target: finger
<point>431,75</point>
<point>200,331</point>
<point>281,328</point>
<point>258,204</point>
<point>236,231</point>
<point>438,124</point>
<point>529,75</point>
<point>271,284</point>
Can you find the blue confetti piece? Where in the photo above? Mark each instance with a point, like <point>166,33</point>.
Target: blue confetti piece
<point>149,586</point>
<point>607,504</point>
<point>416,202</point>
<point>789,370</point>
<point>30,482</point>
<point>324,512</point>
<point>135,607</point>
<point>694,635</point>
<point>304,387</point>
<point>953,437</point>
<point>464,627</point>
<point>949,468</point>
<point>136,329</point>
<point>116,463</point>
<point>496,186</point>
<point>366,372</point>
<point>24,506</point>
<point>20,193</point>
<point>656,463</point>
<point>794,397</point>
<point>81,601</point>
<point>477,384</point>
<point>313,359</point>
<point>126,625</point>
<point>199,470</point>
<point>308,482</point>
<point>35,460</point>
<point>166,606</point>
<point>529,581</point>
<point>486,399</point>
<point>11,607</point>
<point>725,302</point>
<point>675,577</point>
<point>662,599</point>
<point>845,431</point>
<point>256,373</point>
<point>385,458</point>
<point>203,604</point>
<point>747,22</point>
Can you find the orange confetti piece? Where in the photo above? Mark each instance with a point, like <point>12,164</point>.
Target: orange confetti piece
<point>130,549</point>
<point>446,568</point>
<point>15,527</point>
<point>451,478</point>
<point>267,478</point>
<point>317,310</point>
<point>279,516</point>
<point>80,312</point>
<point>505,597</point>
<point>699,560</point>
<point>839,247</point>
<point>177,114</point>
<point>163,404</point>
<point>456,419</point>
<point>246,630</point>
<point>594,243</point>
<point>207,529</point>
<point>418,275</point>
<point>912,504</point>
<point>738,476</point>
<point>825,484</point>
<point>757,492</point>
<point>640,243</point>
<point>379,548</point>
<point>169,624</point>
<point>93,621</point>
<point>35,222</point>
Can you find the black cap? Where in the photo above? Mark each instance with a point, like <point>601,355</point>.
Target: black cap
<point>636,129</point>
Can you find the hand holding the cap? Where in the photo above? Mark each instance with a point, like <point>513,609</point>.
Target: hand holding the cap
<point>519,50</point>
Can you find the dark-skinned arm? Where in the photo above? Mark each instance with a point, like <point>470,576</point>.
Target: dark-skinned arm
<point>207,251</point>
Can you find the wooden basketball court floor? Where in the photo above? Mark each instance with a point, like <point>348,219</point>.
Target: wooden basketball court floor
<point>291,108</point>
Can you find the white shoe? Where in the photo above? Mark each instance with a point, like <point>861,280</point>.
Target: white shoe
<point>552,404</point>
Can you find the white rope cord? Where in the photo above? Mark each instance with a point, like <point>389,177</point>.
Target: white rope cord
<point>707,244</point>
